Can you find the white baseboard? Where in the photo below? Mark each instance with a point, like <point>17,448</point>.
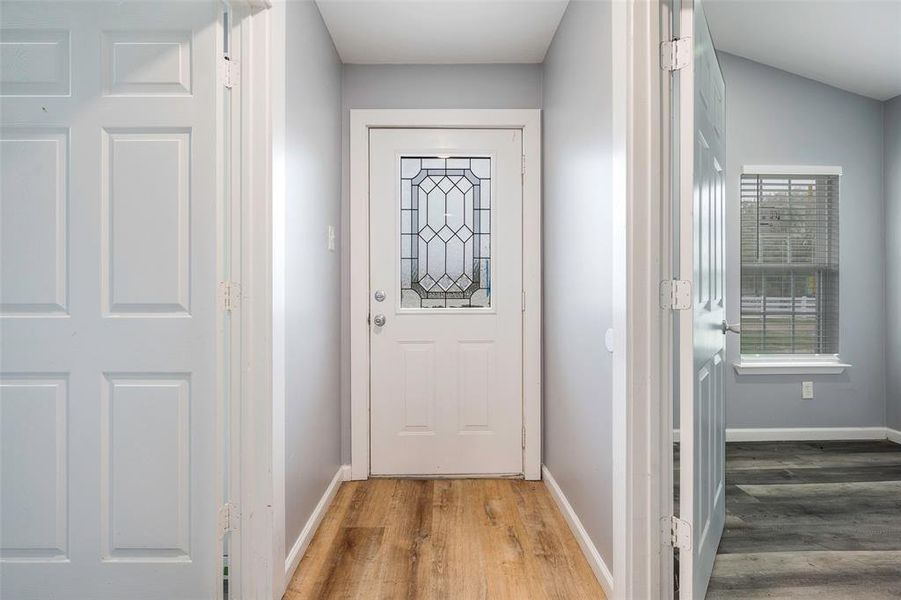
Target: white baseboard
<point>601,571</point>
<point>804,434</point>
<point>801,434</point>
<point>309,530</point>
<point>893,435</point>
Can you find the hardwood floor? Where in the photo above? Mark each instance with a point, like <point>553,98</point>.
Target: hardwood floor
<point>811,520</point>
<point>469,539</point>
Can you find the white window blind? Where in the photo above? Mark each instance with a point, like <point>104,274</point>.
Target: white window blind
<point>789,263</point>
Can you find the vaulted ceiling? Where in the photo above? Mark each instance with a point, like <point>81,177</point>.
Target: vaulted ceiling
<point>852,45</point>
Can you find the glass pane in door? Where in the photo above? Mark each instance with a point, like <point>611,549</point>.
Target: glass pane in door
<point>445,231</point>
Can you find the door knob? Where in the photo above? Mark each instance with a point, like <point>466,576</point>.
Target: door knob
<point>732,328</point>
<point>379,320</point>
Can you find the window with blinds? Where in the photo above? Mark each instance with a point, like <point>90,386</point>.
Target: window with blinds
<point>789,263</point>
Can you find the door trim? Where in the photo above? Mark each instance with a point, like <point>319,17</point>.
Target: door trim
<point>641,398</point>
<point>253,572</point>
<point>361,121</point>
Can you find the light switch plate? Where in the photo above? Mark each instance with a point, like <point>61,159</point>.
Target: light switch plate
<point>807,390</point>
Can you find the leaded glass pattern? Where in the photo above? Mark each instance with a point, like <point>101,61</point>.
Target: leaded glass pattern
<point>445,232</point>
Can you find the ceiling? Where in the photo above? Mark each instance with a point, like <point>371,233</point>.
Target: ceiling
<point>855,46</point>
<point>442,31</point>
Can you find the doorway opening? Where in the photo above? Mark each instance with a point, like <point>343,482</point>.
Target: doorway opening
<point>785,444</point>
<point>441,373</point>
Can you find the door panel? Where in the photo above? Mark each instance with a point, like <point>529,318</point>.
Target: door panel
<point>701,340</point>
<point>146,209</point>
<point>33,246</point>
<point>446,274</point>
<point>108,317</point>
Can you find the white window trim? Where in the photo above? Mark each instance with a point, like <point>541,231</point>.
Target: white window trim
<point>790,364</point>
<point>790,170</point>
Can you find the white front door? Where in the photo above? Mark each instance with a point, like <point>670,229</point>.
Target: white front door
<point>108,195</point>
<point>446,301</point>
<point>703,400</point>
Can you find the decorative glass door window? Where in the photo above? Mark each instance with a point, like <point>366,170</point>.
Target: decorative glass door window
<point>445,215</point>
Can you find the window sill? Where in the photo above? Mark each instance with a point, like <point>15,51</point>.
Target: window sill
<point>791,366</point>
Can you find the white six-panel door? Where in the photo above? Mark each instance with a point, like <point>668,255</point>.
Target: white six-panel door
<point>108,264</point>
<point>703,405</point>
<point>446,277</point>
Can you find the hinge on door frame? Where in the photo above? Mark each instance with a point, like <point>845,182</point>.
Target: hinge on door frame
<point>229,72</point>
<point>675,294</point>
<point>680,533</point>
<point>229,517</point>
<point>523,164</point>
<point>229,295</point>
<point>523,305</point>
<point>523,437</point>
<point>675,54</point>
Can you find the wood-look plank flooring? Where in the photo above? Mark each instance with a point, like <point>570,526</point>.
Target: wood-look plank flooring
<point>468,539</point>
<point>811,520</point>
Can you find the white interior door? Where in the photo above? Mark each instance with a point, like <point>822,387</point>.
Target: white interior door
<point>109,322</point>
<point>446,301</point>
<point>701,354</point>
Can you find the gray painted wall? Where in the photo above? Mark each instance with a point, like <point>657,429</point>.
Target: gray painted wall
<point>772,118</point>
<point>313,282</point>
<point>418,86</point>
<point>578,268</point>
<point>892,167</point>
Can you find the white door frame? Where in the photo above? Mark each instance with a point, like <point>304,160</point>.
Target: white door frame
<point>642,413</point>
<point>251,425</point>
<point>361,121</point>
<point>676,210</point>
